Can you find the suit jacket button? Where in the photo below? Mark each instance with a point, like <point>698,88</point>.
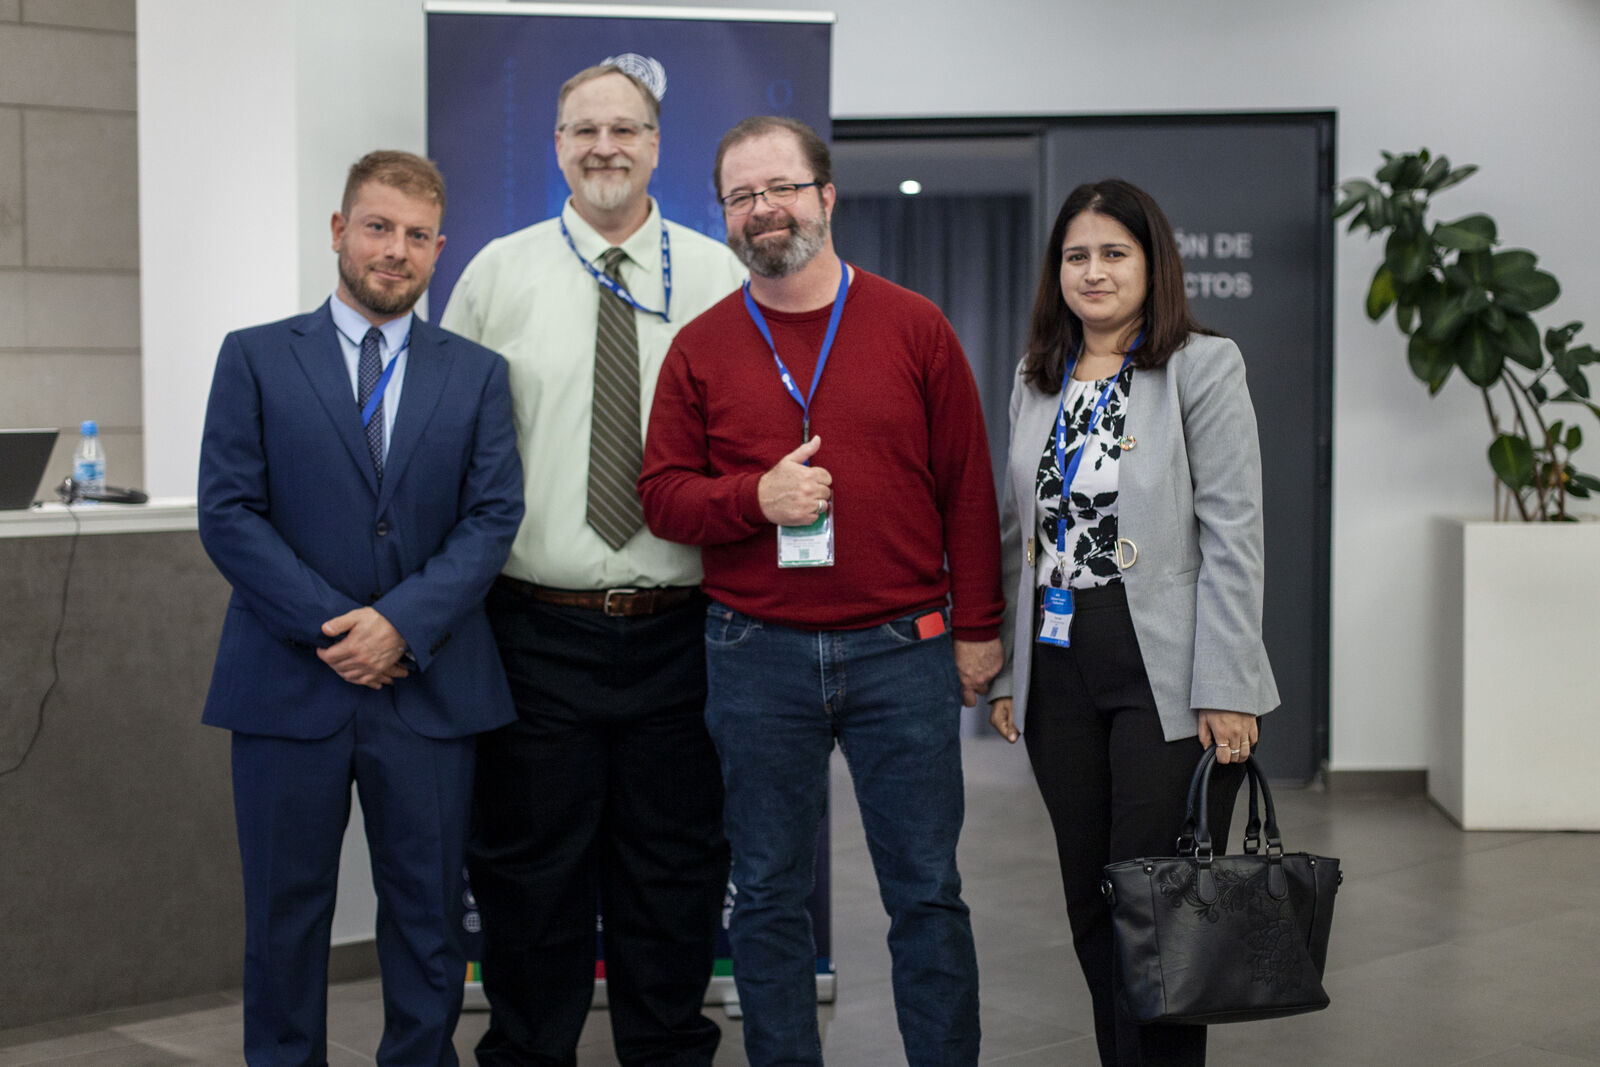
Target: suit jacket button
<point>383,529</point>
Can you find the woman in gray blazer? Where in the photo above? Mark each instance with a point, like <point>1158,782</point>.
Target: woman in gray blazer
<point>1133,615</point>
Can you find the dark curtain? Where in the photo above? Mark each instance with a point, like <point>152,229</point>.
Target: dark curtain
<point>970,255</point>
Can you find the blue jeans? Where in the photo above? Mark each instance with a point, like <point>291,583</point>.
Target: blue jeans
<point>778,698</point>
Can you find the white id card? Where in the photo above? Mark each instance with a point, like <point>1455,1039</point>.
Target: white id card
<point>807,546</point>
<point>1057,626</point>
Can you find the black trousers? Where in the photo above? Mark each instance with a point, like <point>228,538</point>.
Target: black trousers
<point>1115,789</point>
<point>606,789</point>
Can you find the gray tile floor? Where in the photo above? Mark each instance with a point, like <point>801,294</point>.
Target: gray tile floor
<point>1448,948</point>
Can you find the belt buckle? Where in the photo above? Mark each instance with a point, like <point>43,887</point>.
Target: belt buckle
<point>605,605</point>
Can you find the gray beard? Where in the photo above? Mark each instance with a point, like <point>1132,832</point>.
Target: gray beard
<point>779,260</point>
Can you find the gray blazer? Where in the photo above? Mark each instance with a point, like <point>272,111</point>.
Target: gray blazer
<point>1189,520</point>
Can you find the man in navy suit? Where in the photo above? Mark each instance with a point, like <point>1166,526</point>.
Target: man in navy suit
<point>359,488</point>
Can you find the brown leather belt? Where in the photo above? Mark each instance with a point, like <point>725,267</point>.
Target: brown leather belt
<point>622,603</point>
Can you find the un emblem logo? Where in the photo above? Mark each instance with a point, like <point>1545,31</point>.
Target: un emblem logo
<point>648,70</point>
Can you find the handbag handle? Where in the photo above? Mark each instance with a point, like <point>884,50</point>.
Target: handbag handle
<point>1205,880</point>
<point>1186,838</point>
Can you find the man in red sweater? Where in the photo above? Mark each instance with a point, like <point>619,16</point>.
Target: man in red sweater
<point>819,436</point>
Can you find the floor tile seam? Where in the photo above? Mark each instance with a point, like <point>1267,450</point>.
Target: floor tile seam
<point>362,1056</point>
<point>1485,1057</point>
<point>1050,1046</point>
<point>1345,862</point>
<point>85,1024</point>
<point>174,1040</point>
<point>33,1062</point>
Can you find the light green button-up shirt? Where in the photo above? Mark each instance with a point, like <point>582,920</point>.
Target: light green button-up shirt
<point>527,297</point>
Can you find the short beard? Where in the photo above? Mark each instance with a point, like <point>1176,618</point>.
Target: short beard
<point>377,300</point>
<point>775,259</point>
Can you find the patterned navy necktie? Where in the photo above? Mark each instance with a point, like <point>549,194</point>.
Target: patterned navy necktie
<point>368,371</point>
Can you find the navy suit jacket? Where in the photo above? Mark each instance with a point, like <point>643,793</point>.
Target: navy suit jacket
<point>293,515</point>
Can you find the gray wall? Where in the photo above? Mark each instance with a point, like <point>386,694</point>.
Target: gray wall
<point>119,875</point>
<point>69,227</point>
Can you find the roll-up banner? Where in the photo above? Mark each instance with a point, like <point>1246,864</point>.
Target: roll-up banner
<point>494,71</point>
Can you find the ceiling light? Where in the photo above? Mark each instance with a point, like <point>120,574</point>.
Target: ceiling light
<point>911,187</point>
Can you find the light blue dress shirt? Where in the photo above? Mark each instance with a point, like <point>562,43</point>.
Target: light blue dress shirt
<point>352,326</point>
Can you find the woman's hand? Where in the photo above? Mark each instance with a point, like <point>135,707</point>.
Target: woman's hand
<point>1233,732</point>
<point>1000,719</point>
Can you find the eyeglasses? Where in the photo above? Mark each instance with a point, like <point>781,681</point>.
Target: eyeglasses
<point>776,195</point>
<point>587,134</point>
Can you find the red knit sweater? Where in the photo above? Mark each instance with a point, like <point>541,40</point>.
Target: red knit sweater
<point>902,435</point>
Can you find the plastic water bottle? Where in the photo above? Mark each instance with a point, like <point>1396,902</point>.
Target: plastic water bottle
<point>89,461</point>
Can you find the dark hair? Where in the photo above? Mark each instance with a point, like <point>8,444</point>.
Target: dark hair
<point>601,70</point>
<point>411,174</point>
<point>1055,333</point>
<point>813,147</point>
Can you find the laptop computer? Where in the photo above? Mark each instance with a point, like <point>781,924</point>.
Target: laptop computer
<point>24,454</point>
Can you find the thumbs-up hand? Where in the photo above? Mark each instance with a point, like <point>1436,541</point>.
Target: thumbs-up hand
<point>793,494</point>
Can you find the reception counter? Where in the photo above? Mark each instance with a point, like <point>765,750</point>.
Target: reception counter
<point>119,873</point>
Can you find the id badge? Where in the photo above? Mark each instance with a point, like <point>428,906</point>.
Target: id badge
<point>810,545</point>
<point>1057,626</point>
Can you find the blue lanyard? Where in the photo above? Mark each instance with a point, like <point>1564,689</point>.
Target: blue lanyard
<point>822,356</point>
<point>1069,471</point>
<point>627,297</point>
<point>376,397</point>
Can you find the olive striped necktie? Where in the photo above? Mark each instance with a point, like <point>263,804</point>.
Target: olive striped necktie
<point>615,451</point>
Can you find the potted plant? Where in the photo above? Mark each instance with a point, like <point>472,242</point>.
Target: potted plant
<point>1518,603</point>
<point>1463,305</point>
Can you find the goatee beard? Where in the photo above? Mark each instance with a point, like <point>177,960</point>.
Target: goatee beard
<point>779,259</point>
<point>602,194</point>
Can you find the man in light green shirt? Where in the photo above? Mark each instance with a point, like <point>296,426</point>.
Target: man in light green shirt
<point>607,787</point>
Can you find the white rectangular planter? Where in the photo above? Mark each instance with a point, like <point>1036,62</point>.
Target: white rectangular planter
<point>1516,739</point>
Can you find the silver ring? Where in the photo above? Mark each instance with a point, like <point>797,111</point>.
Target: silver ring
<point>1234,751</point>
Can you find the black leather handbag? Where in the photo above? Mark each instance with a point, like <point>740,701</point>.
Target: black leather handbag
<point>1216,939</point>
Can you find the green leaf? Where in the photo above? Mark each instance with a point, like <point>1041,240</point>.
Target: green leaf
<point>1457,176</point>
<point>1406,259</point>
<point>1477,267</point>
<point>1436,172</point>
<point>1405,317</point>
<point>1584,481</point>
<point>1583,355</point>
<point>1528,291</point>
<point>1474,300</point>
<point>1471,233</point>
<point>1512,261</point>
<point>1557,338</point>
<point>1574,440</point>
<point>1577,382</point>
<point>1494,318</point>
<point>1479,358</point>
<point>1442,315</point>
<point>1430,363</point>
<point>1520,339</point>
<point>1355,192</point>
<point>1381,295</point>
<point>1539,393</point>
<point>1403,172</point>
<point>1511,457</point>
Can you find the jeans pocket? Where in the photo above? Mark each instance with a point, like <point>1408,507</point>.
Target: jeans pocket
<point>904,630</point>
<point>726,628</point>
